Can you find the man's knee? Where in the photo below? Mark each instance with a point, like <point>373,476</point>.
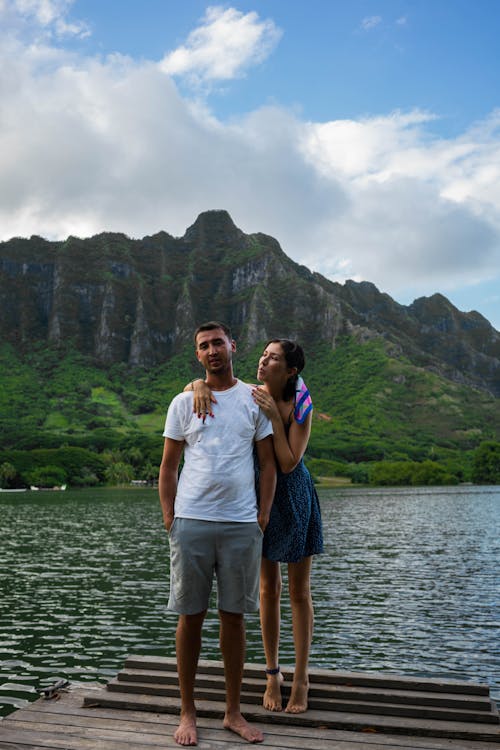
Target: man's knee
<point>191,622</point>
<point>231,619</point>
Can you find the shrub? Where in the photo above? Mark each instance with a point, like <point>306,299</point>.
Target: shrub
<point>486,463</point>
<point>47,476</point>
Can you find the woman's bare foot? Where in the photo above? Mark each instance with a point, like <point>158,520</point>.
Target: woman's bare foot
<point>272,695</point>
<point>186,733</point>
<point>297,702</point>
<point>236,723</point>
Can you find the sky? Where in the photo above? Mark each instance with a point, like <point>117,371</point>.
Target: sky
<point>364,135</point>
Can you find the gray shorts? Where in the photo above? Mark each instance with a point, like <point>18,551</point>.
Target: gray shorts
<point>198,549</point>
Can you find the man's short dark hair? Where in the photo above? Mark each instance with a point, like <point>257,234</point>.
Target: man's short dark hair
<point>212,325</point>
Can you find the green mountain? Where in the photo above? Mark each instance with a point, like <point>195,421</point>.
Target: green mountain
<point>96,338</point>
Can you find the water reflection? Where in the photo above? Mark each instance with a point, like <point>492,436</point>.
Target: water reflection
<point>408,583</point>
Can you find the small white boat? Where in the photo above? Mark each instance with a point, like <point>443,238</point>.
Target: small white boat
<point>51,489</point>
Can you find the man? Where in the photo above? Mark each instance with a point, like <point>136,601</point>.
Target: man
<point>213,522</point>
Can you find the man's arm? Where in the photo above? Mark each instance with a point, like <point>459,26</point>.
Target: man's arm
<point>167,482</point>
<point>267,479</point>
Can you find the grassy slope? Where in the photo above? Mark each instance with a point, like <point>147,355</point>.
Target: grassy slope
<point>368,406</point>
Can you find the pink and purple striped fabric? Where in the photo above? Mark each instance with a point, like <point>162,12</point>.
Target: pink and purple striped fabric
<point>303,401</point>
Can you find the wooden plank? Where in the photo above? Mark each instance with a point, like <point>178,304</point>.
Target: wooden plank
<point>69,712</point>
<point>60,737</point>
<point>323,690</point>
<point>334,695</point>
<point>222,739</point>
<point>327,719</point>
<point>351,701</point>
<point>62,734</point>
<point>20,741</point>
<point>129,721</point>
<point>17,746</point>
<point>330,703</point>
<point>72,709</point>
<point>316,675</point>
<point>63,741</point>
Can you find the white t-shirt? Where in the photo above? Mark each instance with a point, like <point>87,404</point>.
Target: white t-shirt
<point>217,481</point>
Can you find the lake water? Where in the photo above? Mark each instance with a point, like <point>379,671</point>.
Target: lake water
<point>408,584</point>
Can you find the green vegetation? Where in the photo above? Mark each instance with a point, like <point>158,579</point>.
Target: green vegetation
<point>486,465</point>
<point>378,419</point>
<point>394,473</point>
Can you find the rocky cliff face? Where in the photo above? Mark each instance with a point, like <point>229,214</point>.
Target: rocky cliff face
<point>138,301</point>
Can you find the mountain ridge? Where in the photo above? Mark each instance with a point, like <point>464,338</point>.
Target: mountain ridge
<point>137,301</point>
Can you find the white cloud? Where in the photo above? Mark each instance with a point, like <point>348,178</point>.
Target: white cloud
<point>50,16</point>
<point>88,145</point>
<point>363,148</point>
<point>225,44</point>
<point>45,12</point>
<point>418,205</point>
<point>370,22</point>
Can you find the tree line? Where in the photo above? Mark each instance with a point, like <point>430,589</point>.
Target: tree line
<point>80,467</point>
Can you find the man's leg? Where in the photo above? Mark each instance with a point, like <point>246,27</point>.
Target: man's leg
<point>232,643</point>
<point>188,645</point>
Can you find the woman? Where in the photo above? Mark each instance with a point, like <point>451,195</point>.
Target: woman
<point>294,532</point>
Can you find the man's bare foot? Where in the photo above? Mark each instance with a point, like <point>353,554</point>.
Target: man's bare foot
<point>297,702</point>
<point>236,723</point>
<point>186,733</point>
<point>272,695</point>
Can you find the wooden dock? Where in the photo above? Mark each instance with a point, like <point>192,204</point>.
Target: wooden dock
<point>348,711</point>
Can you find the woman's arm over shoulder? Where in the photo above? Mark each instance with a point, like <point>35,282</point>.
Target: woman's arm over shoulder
<point>189,386</point>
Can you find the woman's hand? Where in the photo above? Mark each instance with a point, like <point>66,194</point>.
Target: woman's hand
<point>266,403</point>
<point>202,399</point>
<point>263,520</point>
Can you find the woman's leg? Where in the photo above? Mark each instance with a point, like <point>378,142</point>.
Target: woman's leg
<point>270,593</point>
<point>299,577</point>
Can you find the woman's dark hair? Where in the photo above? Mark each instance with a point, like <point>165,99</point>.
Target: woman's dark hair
<point>294,357</point>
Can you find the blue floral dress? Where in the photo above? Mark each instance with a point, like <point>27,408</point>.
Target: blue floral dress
<point>294,530</point>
